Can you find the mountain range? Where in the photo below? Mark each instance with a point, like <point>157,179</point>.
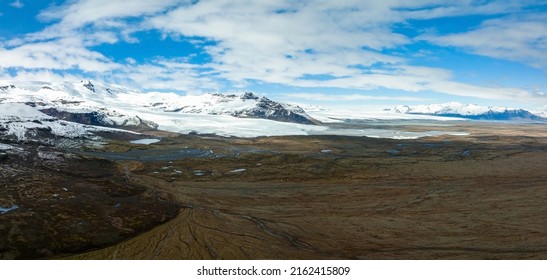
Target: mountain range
<point>78,106</point>
<point>71,113</point>
<point>469,111</point>
<point>99,104</point>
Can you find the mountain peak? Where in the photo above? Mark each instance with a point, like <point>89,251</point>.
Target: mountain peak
<point>249,96</point>
<point>117,106</point>
<point>87,84</point>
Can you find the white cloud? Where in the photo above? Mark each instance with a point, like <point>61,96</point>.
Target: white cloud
<point>439,9</point>
<point>103,12</point>
<point>521,40</point>
<point>38,75</point>
<point>61,54</point>
<point>351,97</point>
<point>417,84</point>
<point>17,4</point>
<point>256,40</point>
<point>79,25</point>
<point>279,42</point>
<point>95,22</point>
<point>167,75</point>
<point>286,42</point>
<point>130,61</point>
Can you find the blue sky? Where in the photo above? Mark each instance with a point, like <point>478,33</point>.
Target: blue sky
<point>330,53</point>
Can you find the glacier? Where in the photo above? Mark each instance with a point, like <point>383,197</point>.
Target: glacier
<point>80,109</point>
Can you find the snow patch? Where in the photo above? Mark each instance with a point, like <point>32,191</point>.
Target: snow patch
<point>145,141</point>
<point>20,112</point>
<point>6,210</point>
<point>4,147</point>
<point>241,170</point>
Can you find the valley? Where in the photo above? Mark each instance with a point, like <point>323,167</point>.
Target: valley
<point>479,196</point>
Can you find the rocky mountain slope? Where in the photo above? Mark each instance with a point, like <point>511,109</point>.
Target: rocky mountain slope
<point>23,123</point>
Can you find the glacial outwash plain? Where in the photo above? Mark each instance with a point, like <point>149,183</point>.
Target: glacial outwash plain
<point>471,190</point>
<point>480,196</point>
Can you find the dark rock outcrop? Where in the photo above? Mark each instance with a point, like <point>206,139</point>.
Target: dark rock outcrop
<point>4,88</point>
<point>88,85</point>
<point>249,96</point>
<point>271,110</point>
<point>92,118</point>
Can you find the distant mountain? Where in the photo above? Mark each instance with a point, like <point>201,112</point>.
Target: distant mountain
<point>469,111</point>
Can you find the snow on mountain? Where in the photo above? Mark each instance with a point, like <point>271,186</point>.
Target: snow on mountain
<point>99,104</point>
<point>21,112</point>
<point>339,115</point>
<point>541,114</point>
<point>246,105</point>
<point>52,111</point>
<point>468,111</point>
<point>4,147</point>
<point>113,106</point>
<point>446,108</point>
<point>20,122</point>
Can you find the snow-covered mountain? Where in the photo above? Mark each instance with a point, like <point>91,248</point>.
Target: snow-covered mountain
<point>468,111</point>
<point>23,123</point>
<point>48,112</point>
<point>67,114</point>
<point>106,105</point>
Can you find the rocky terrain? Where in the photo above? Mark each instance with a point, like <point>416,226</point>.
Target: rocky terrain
<point>56,202</point>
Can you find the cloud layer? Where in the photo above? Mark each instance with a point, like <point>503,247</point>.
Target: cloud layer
<point>517,39</point>
<point>347,44</point>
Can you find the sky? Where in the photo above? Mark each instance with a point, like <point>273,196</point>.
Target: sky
<point>345,53</point>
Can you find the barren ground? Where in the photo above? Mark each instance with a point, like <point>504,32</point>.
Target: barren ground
<point>480,196</point>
